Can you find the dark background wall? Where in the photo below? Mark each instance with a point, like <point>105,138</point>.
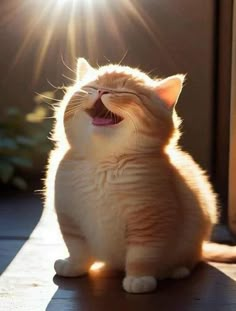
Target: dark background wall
<point>163,37</point>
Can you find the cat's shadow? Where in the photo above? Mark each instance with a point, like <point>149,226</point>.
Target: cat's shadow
<point>206,289</point>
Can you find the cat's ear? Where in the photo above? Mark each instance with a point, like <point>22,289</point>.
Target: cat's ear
<point>83,69</point>
<point>169,89</point>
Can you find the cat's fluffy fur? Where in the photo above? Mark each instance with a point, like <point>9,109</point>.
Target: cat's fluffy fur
<point>127,194</point>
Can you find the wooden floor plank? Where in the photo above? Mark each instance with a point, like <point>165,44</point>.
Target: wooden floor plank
<point>28,281</point>
<point>19,215</point>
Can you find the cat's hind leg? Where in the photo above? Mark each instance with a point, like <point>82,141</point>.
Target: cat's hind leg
<point>140,270</point>
<point>139,284</point>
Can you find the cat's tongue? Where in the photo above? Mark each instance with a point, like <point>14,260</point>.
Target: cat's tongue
<point>102,121</point>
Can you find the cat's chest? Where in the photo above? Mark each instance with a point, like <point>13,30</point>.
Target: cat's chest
<point>97,192</point>
<point>101,186</point>
<point>99,209</point>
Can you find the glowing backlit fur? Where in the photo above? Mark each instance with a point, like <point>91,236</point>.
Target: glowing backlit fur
<point>124,192</point>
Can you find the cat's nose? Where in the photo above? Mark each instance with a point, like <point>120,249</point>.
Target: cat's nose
<point>102,92</point>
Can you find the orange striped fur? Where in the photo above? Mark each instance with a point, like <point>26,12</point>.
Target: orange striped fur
<point>127,194</point>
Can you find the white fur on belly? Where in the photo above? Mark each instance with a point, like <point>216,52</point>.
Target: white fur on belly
<point>82,195</point>
<point>104,232</point>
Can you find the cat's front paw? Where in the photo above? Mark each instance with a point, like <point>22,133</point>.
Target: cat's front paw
<point>141,284</point>
<point>64,267</point>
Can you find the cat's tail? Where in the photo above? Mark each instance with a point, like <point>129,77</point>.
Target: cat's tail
<point>219,252</point>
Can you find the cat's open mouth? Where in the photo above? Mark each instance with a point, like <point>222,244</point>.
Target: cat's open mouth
<point>101,116</point>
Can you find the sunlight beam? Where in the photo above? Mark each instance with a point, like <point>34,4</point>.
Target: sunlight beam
<point>30,274</point>
<point>76,22</point>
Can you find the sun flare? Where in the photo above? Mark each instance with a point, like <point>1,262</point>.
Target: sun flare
<point>68,24</point>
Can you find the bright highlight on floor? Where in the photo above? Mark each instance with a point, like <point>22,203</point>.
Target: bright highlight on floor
<point>97,266</point>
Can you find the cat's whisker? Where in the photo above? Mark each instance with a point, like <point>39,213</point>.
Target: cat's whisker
<point>47,118</point>
<point>48,97</point>
<point>84,91</point>
<point>64,63</point>
<point>75,103</point>
<point>54,105</point>
<point>123,57</point>
<point>72,106</point>
<point>68,78</point>
<point>56,87</point>
<point>79,97</point>
<point>72,114</point>
<point>70,111</point>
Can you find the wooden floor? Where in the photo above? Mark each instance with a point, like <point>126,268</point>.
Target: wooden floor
<point>29,244</point>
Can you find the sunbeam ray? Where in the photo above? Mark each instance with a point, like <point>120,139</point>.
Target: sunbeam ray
<point>74,22</point>
<point>29,35</point>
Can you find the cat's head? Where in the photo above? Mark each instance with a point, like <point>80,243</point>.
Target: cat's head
<point>115,109</point>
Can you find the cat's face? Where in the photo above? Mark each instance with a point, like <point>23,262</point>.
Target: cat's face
<point>116,110</point>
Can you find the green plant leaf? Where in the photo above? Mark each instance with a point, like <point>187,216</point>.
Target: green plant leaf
<point>8,143</point>
<point>20,183</point>
<point>38,115</point>
<point>45,148</point>
<point>25,141</point>
<point>21,161</point>
<point>6,171</point>
<point>45,96</point>
<point>13,111</point>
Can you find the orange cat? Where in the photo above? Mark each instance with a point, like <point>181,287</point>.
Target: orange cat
<point>124,191</point>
